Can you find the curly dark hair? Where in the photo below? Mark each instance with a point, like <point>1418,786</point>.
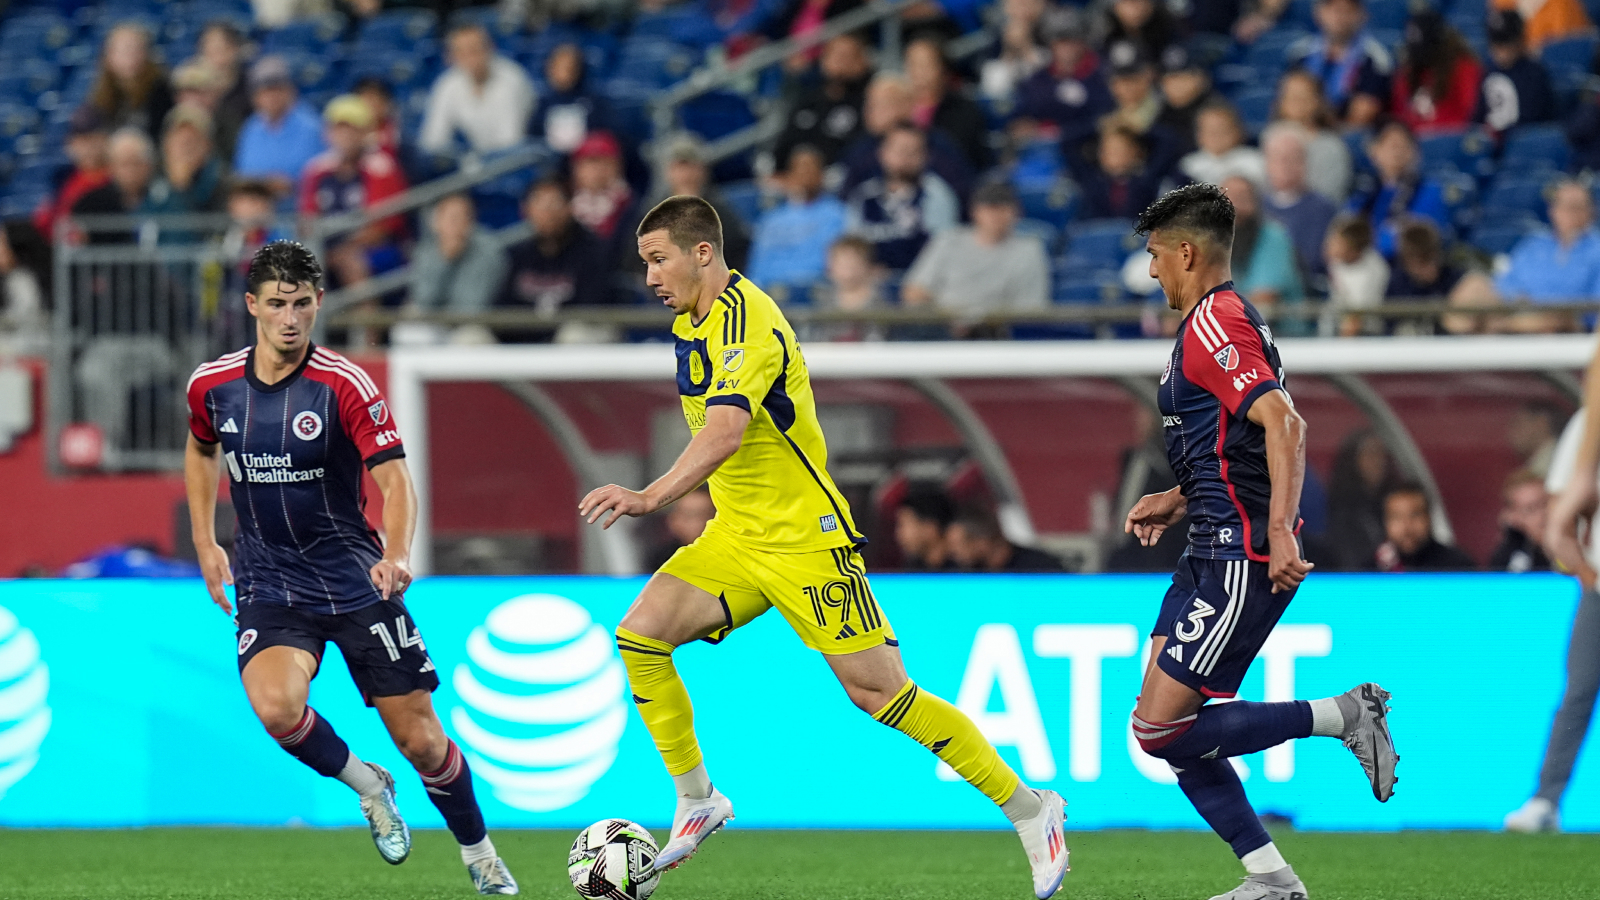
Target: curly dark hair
<point>284,261</point>
<point>1195,208</point>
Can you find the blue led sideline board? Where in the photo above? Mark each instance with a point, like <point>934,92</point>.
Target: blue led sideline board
<point>136,681</point>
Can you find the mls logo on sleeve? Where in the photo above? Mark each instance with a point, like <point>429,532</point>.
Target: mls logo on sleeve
<point>732,359</point>
<point>1227,358</point>
<point>379,412</point>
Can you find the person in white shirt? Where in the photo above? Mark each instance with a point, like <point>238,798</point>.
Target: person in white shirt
<point>483,97</point>
<point>1220,136</point>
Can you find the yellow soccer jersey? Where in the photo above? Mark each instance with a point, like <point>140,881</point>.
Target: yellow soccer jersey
<point>774,491</point>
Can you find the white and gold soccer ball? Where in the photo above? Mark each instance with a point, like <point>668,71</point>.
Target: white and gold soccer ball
<point>615,859</point>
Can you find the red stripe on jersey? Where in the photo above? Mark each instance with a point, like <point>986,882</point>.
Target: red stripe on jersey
<point>201,382</point>
<point>1222,465</point>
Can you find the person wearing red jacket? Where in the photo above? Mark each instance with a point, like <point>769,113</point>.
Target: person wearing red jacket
<point>1435,87</point>
<point>87,148</point>
<point>353,175</point>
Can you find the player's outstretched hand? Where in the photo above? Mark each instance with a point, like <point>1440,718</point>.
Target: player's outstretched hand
<point>216,571</point>
<point>1287,569</point>
<point>1154,514</point>
<point>391,576</point>
<point>616,499</point>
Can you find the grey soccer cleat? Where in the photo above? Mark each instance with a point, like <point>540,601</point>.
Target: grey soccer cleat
<point>1366,734</point>
<point>389,831</point>
<point>1280,885</point>
<point>1535,816</point>
<point>491,876</point>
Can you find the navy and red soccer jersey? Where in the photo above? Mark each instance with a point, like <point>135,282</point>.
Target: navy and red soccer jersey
<point>294,452</point>
<point>1225,360</point>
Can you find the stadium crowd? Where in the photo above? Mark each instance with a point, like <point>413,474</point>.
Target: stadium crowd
<point>1376,154</point>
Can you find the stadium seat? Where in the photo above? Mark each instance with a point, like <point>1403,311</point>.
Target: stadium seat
<point>1496,237</point>
<point>1387,14</point>
<point>1517,193</point>
<point>716,114</point>
<point>1571,54</point>
<point>305,35</point>
<point>490,18</point>
<point>398,28</point>
<point>1047,233</point>
<point>499,200</point>
<point>1535,147</point>
<point>37,32</point>
<point>1108,241</point>
<point>1460,196</point>
<point>745,198</point>
<point>690,26</point>
<point>1053,203</point>
<point>1270,51</point>
<point>1255,106</point>
<point>1038,165</point>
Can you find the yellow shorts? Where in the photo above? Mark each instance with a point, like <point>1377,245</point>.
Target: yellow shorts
<point>823,594</point>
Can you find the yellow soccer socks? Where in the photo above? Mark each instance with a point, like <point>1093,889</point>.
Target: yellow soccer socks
<point>661,698</point>
<point>952,737</point>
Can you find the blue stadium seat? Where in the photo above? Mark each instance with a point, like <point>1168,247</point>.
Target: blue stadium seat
<point>1440,150</point>
<point>305,35</point>
<point>1255,106</point>
<point>490,18</point>
<point>28,79</point>
<point>398,28</point>
<point>1571,54</point>
<point>690,26</point>
<point>17,119</point>
<point>499,200</point>
<point>1516,194</point>
<point>37,31</point>
<point>1387,14</point>
<point>716,114</point>
<point>655,62</point>
<point>745,198</point>
<point>1496,237</point>
<point>1535,146</point>
<point>1460,196</point>
<point>1038,166</point>
<point>1103,242</point>
<point>1269,52</point>
<point>1053,203</point>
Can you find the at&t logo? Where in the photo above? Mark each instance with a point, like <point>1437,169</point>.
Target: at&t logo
<point>24,687</point>
<point>544,702</point>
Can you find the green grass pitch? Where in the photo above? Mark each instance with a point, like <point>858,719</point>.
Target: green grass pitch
<point>307,864</point>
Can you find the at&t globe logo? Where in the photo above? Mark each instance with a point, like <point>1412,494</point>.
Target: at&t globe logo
<point>24,686</point>
<point>544,702</point>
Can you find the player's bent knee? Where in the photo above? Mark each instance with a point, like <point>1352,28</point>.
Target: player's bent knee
<point>869,700</point>
<point>1156,738</point>
<point>279,711</point>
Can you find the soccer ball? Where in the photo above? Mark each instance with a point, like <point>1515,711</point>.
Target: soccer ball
<point>616,859</point>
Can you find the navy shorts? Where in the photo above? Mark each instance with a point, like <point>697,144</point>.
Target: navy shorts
<point>1215,617</point>
<point>380,643</point>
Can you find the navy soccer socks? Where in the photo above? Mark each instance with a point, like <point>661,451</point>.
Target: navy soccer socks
<point>1225,729</point>
<point>314,742</point>
<point>450,789</point>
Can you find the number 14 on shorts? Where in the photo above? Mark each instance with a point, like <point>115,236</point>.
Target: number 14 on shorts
<point>409,637</point>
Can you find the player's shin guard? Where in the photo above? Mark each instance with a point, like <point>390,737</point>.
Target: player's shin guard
<point>661,698</point>
<point>1225,729</point>
<point>313,742</point>
<point>952,737</point>
<point>450,789</point>
<point>1217,794</point>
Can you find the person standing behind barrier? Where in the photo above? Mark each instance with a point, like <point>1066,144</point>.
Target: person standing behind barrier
<point>1572,485</point>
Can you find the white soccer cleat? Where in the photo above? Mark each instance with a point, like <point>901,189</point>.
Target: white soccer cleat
<point>490,876</point>
<point>1534,816</point>
<point>1045,841</point>
<point>694,821</point>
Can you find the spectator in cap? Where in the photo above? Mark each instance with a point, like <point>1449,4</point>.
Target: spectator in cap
<point>483,99</point>
<point>221,49</point>
<point>198,85</point>
<point>1516,89</point>
<point>1353,66</point>
<point>938,105</point>
<point>791,243</point>
<point>828,117</point>
<point>1301,102</point>
<point>560,265</point>
<point>130,88</point>
<point>982,268</point>
<point>1222,149</point>
<point>569,109</point>
<point>1065,98</point>
<point>1138,106</point>
<point>1185,90</point>
<point>1148,23</point>
<point>686,172</point>
<point>1436,84</point>
<point>602,200</point>
<point>1287,197</point>
<point>901,209</point>
<point>86,148</point>
<point>282,135</point>
<point>190,180</point>
<point>350,176</point>
<point>1021,52</point>
<point>379,97</point>
<point>888,105</point>
<point>1118,183</point>
<point>459,265</point>
<point>1549,20</point>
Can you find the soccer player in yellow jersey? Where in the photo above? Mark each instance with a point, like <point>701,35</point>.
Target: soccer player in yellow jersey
<point>782,537</point>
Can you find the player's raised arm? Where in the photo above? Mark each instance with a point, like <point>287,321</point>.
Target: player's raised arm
<point>392,574</point>
<point>201,472</point>
<point>1286,466</point>
<point>718,440</point>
